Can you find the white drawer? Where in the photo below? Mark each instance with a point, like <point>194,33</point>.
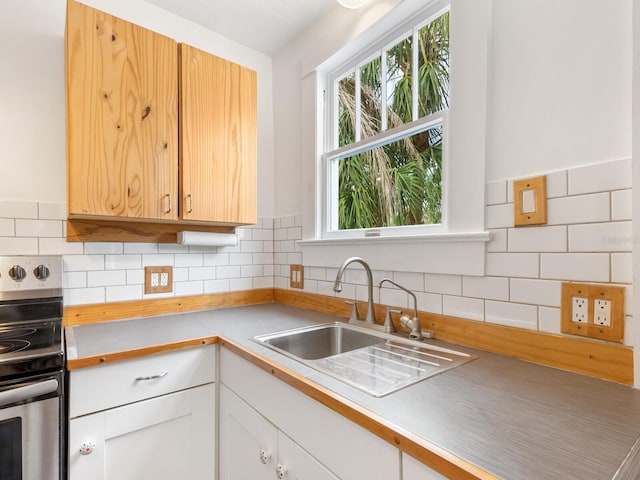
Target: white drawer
<point>106,386</point>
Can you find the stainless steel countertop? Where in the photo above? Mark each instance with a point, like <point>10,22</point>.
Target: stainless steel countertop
<point>513,419</point>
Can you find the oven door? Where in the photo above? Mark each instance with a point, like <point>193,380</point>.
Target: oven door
<point>30,428</point>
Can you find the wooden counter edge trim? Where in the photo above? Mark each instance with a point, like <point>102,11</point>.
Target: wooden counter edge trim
<point>595,358</point>
<point>104,312</point>
<point>74,364</point>
<point>429,454</point>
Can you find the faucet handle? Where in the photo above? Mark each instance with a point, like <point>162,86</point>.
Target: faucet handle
<point>354,310</point>
<point>388,323</point>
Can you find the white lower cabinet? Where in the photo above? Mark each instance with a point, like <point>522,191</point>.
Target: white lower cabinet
<point>166,437</point>
<point>412,469</point>
<point>252,448</point>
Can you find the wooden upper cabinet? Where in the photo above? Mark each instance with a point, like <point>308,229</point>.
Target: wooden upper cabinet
<point>218,118</point>
<point>122,118</point>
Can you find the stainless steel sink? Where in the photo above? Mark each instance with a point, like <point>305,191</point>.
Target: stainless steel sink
<point>374,362</point>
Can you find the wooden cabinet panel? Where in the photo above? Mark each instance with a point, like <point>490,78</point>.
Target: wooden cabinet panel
<point>122,117</point>
<point>218,122</point>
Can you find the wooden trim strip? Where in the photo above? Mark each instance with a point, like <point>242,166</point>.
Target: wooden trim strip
<point>426,452</point>
<point>103,312</point>
<point>595,358</point>
<point>74,364</point>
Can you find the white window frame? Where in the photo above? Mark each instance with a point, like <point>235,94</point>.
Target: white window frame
<point>333,154</point>
<point>461,246</point>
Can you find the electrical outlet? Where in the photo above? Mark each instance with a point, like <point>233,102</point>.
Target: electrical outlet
<point>602,312</point>
<point>595,311</point>
<point>579,309</point>
<point>158,279</point>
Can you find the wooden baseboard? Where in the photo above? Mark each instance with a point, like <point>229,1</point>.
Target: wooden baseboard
<point>603,360</point>
<point>103,312</point>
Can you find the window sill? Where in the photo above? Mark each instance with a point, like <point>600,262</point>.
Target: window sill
<point>449,253</point>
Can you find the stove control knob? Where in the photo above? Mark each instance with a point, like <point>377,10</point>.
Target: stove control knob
<point>41,272</point>
<point>17,273</point>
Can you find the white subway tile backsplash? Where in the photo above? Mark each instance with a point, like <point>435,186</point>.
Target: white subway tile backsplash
<point>268,270</point>
<point>549,320</point>
<point>103,278</point>
<point>232,271</point>
<point>240,259</point>
<point>18,209</point>
<point>38,228</point>
<point>535,292</point>
<point>7,227</point>
<point>59,246</point>
<point>411,280</point>
<point>141,248</point>
<point>268,223</point>
<point>215,259</point>
<point>498,242</point>
<point>216,286</point>
<point>177,248</point>
<point>267,247</point>
<point>124,293</point>
<point>96,248</point>
<point>394,297</point>
<point>84,296</point>
<point>282,282</point>
<point>500,216</point>
<point>324,288</point>
<point>429,302</point>
<point>251,271</point>
<point>512,314</point>
<point>244,233</point>
<point>294,233</point>
<point>495,288</point>
<point>537,239</point>
<point>557,184</point>
<point>263,234</point>
<point>75,263</point>
<point>444,284</point>
<point>122,262</point>
<point>287,246</point>
<point>469,308</point>
<point>601,237</point>
<point>74,280</point>
<point>280,258</point>
<point>252,246</point>
<point>621,205</point>
<point>238,284</point>
<point>581,267</point>
<point>52,211</point>
<point>315,273</point>
<point>265,282</point>
<point>362,294</point>
<point>578,209</point>
<point>181,274</point>
<point>601,177</point>
<point>621,268</point>
<point>188,288</point>
<point>513,265</point>
<point>160,259</point>
<point>202,273</point>
<point>188,260</point>
<point>496,192</point>
<point>294,258</point>
<point>135,277</point>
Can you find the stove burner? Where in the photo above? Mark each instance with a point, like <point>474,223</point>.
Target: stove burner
<point>11,334</point>
<point>12,346</point>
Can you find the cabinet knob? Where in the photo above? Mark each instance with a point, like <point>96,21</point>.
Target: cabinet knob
<point>281,471</point>
<point>264,457</point>
<point>87,447</point>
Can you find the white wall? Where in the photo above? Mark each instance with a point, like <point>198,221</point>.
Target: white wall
<point>32,125</point>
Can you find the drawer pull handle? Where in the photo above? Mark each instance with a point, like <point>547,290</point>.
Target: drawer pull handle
<point>152,377</point>
<point>281,471</point>
<point>87,447</point>
<point>264,457</point>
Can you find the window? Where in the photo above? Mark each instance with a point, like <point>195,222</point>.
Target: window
<point>384,165</point>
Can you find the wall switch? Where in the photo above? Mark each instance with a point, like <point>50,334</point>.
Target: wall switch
<point>158,279</point>
<point>296,276</point>
<point>579,309</point>
<point>595,311</point>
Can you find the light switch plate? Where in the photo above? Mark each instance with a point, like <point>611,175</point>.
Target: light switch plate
<point>296,276</point>
<point>530,201</point>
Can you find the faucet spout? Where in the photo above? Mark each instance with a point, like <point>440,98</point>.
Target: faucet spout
<point>405,321</point>
<point>337,285</point>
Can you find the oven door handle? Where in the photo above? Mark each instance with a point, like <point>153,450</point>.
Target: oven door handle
<point>27,392</point>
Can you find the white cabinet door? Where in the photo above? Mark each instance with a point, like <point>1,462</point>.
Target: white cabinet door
<point>412,469</point>
<point>168,437</point>
<point>296,464</point>
<point>248,442</point>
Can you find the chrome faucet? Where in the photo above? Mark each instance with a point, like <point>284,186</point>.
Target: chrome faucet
<point>405,321</point>
<point>337,286</point>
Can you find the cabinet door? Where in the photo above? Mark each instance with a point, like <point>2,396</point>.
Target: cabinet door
<point>122,117</point>
<point>414,470</point>
<point>218,119</point>
<point>248,442</point>
<point>164,438</point>
<point>296,464</point>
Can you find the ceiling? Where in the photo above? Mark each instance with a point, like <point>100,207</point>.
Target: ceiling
<point>264,25</point>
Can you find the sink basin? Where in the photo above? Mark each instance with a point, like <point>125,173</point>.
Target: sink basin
<point>372,361</point>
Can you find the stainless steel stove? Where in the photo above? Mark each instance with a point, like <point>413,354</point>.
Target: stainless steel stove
<point>31,368</point>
